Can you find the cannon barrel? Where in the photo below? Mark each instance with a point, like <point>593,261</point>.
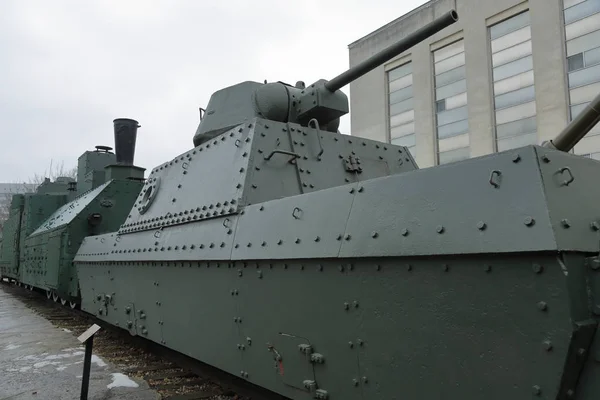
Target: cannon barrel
<point>392,51</point>
<point>578,128</point>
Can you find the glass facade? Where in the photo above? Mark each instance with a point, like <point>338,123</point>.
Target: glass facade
<point>513,97</point>
<point>582,34</point>
<point>401,109</point>
<point>514,92</point>
<point>452,124</point>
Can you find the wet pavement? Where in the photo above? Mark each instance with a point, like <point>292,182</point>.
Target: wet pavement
<point>41,361</point>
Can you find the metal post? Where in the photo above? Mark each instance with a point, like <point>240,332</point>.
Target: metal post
<point>87,337</point>
<point>87,363</point>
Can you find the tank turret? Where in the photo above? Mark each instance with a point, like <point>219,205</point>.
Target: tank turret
<point>323,101</point>
<point>578,128</point>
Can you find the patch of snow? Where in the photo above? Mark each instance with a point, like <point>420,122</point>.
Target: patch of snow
<point>62,367</point>
<point>42,364</point>
<point>97,360</point>
<point>59,356</point>
<point>24,369</point>
<point>121,380</point>
<point>12,346</point>
<point>66,330</point>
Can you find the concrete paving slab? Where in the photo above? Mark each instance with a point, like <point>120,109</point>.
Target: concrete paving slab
<point>40,361</point>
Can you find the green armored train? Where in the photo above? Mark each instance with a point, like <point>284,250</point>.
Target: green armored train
<point>26,212</point>
<point>47,227</point>
<point>319,265</point>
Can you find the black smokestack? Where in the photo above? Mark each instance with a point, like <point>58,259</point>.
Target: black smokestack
<point>125,135</point>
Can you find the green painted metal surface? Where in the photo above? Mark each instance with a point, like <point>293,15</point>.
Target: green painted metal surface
<point>318,265</point>
<point>27,212</point>
<point>9,251</point>
<point>49,251</point>
<point>490,326</point>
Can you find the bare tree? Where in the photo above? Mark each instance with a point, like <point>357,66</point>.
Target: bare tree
<point>53,172</point>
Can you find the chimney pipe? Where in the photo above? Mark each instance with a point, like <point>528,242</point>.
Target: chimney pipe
<point>125,135</point>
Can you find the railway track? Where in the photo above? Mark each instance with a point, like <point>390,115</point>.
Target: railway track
<point>173,375</point>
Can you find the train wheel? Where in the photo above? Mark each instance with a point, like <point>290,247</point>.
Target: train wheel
<point>30,288</point>
<point>72,304</point>
<point>49,294</point>
<point>55,297</point>
<point>63,302</point>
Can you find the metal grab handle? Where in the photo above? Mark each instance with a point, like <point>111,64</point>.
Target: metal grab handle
<point>289,153</point>
<point>570,179</point>
<point>495,174</point>
<point>315,124</point>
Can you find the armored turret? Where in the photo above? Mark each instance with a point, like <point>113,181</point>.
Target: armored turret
<point>321,102</point>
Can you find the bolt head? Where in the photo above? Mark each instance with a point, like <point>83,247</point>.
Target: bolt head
<point>529,221</point>
<point>481,225</point>
<point>440,229</point>
<point>404,232</point>
<point>542,306</point>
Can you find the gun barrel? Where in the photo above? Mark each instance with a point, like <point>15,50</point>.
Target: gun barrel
<point>578,128</point>
<point>392,51</point>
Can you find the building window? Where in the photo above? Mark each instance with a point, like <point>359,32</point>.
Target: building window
<point>582,34</point>
<point>593,156</point>
<point>401,111</point>
<point>514,92</point>
<point>452,125</point>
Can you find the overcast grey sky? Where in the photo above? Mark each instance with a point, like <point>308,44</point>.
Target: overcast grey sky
<point>69,67</point>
